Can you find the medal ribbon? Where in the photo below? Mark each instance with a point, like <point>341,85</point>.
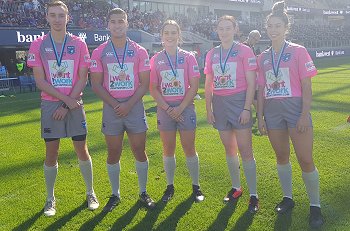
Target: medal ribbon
<point>227,55</point>
<point>116,55</point>
<point>58,57</point>
<point>274,67</point>
<point>174,70</point>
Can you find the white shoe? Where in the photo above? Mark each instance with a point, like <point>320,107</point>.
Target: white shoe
<point>50,208</point>
<point>92,201</point>
<point>197,97</point>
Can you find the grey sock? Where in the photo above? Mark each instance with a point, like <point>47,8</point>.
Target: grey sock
<point>249,168</point>
<point>285,177</point>
<point>86,172</point>
<point>50,179</point>
<point>233,168</point>
<point>142,174</point>
<point>193,167</point>
<point>169,168</point>
<point>312,183</point>
<point>114,174</point>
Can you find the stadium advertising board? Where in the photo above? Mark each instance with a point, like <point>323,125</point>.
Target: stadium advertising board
<point>329,53</point>
<point>23,37</point>
<point>260,2</point>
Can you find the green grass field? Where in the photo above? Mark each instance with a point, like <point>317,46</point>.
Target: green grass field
<point>22,187</point>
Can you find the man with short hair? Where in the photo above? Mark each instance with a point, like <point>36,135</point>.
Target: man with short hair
<point>120,72</point>
<point>60,64</point>
<point>3,71</point>
<point>253,38</point>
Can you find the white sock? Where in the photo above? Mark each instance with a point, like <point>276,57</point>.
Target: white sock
<point>169,163</point>
<point>114,174</point>
<point>312,183</point>
<point>86,171</point>
<point>50,179</point>
<point>249,168</point>
<point>233,168</point>
<point>142,174</point>
<point>193,167</point>
<point>285,177</point>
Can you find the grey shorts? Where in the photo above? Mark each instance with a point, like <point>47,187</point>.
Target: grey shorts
<point>283,113</point>
<point>227,110</point>
<point>74,124</point>
<point>114,125</point>
<point>166,123</point>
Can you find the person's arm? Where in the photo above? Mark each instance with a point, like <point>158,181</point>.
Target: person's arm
<point>100,91</point>
<point>124,107</point>
<point>80,84</point>
<point>42,84</point>
<point>260,111</point>
<point>245,114</point>
<point>303,122</point>
<point>209,98</point>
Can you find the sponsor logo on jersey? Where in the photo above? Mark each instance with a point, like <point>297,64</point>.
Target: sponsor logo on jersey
<point>93,63</point>
<point>48,49</point>
<point>310,66</point>
<point>71,49</point>
<point>31,57</point>
<point>252,61</point>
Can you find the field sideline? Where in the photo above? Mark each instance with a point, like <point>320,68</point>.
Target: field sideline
<point>22,187</point>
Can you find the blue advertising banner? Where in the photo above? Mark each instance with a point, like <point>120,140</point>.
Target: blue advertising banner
<point>23,37</point>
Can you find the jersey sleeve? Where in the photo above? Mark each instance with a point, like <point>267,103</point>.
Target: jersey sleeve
<point>85,60</point>
<point>261,75</point>
<point>96,62</point>
<point>208,69</point>
<point>153,74</point>
<point>249,59</point>
<point>144,64</point>
<point>306,66</point>
<point>34,59</point>
<point>193,69</point>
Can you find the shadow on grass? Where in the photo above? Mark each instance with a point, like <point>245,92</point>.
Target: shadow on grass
<point>124,220</point>
<point>63,220</point>
<point>28,223</point>
<point>171,221</point>
<point>222,218</point>
<point>91,224</point>
<point>244,221</point>
<point>283,221</point>
<point>151,217</point>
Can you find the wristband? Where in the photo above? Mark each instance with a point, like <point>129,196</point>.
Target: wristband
<point>246,109</point>
<point>65,106</point>
<point>167,108</point>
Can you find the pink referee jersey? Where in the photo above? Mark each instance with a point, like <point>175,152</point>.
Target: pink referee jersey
<point>173,88</point>
<point>295,65</point>
<point>240,60</point>
<point>63,77</point>
<point>136,60</point>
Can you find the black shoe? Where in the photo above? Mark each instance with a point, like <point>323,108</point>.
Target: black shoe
<point>253,206</point>
<point>285,205</point>
<point>233,194</point>
<point>168,193</point>
<point>315,219</point>
<point>147,200</point>
<point>112,203</point>
<point>198,196</point>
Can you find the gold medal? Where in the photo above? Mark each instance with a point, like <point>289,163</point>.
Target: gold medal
<point>176,83</point>
<point>122,76</point>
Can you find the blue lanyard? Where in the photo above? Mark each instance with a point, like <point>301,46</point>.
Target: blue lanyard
<point>227,55</point>
<point>174,70</point>
<point>274,67</point>
<point>116,55</point>
<point>58,57</point>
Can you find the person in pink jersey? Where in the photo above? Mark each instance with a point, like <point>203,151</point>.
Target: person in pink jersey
<point>284,101</point>
<point>229,91</point>
<point>174,84</point>
<point>120,77</point>
<point>60,64</point>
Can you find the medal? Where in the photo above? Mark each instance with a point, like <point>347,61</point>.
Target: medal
<point>174,70</point>
<point>274,67</point>
<point>223,67</point>
<point>60,74</point>
<point>58,57</point>
<point>222,80</point>
<point>176,83</point>
<point>121,65</point>
<point>122,76</point>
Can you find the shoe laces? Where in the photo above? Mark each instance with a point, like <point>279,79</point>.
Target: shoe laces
<point>92,198</point>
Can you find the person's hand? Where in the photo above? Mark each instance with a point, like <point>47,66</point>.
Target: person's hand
<point>244,117</point>
<point>262,126</point>
<point>175,113</point>
<point>210,118</point>
<point>60,113</point>
<point>303,123</point>
<point>122,109</point>
<point>72,103</point>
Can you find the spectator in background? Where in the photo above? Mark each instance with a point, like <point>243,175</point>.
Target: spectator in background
<point>3,71</point>
<point>12,69</point>
<point>253,38</point>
